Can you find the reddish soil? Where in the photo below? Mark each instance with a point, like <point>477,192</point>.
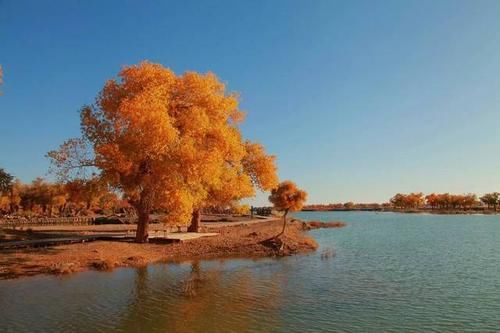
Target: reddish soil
<point>255,240</point>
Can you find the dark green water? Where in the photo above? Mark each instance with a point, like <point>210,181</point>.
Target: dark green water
<point>391,273</point>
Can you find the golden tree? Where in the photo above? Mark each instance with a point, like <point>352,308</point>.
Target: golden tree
<point>4,204</point>
<point>86,191</point>
<point>218,167</point>
<point>167,141</point>
<point>287,197</point>
<point>239,179</point>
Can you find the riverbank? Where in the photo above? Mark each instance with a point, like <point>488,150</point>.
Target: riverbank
<point>413,211</point>
<point>243,241</point>
<point>446,212</point>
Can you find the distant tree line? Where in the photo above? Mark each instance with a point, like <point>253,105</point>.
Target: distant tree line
<point>445,201</point>
<point>77,197</point>
<point>344,206</point>
<point>419,201</point>
<point>491,200</point>
<point>234,207</point>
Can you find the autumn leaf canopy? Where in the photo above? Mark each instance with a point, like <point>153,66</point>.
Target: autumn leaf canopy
<point>288,197</point>
<point>169,141</point>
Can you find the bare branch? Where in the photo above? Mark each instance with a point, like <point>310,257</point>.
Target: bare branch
<point>73,159</point>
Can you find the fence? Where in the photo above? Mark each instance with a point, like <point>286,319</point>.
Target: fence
<point>47,221</point>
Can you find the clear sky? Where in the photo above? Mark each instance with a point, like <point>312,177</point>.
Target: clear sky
<point>358,99</point>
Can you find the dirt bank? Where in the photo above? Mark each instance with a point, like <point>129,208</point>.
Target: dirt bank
<point>235,241</point>
<point>317,225</point>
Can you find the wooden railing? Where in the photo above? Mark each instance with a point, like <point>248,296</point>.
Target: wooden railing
<point>47,220</point>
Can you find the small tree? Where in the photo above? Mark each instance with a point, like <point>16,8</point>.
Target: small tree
<point>349,205</point>
<point>287,197</point>
<point>5,181</point>
<point>491,199</point>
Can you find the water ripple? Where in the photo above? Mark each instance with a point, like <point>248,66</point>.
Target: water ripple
<point>391,273</point>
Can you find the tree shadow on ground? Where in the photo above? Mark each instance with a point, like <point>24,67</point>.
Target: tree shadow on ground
<point>14,264</point>
<point>9,235</point>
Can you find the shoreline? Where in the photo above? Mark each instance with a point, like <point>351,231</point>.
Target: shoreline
<point>240,241</point>
<point>429,212</point>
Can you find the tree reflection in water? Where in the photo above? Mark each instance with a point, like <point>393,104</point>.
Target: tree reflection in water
<point>202,299</point>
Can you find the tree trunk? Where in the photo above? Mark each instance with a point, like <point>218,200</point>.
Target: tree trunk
<point>142,234</point>
<point>284,224</point>
<point>195,221</point>
<point>143,208</point>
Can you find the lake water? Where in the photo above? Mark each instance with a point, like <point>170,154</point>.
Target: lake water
<point>390,273</point>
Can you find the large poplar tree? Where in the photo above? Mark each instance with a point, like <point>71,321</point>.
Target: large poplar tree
<point>167,141</point>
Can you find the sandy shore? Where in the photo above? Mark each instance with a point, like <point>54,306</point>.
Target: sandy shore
<point>249,241</point>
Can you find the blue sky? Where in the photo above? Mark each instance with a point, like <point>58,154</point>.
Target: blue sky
<point>358,99</point>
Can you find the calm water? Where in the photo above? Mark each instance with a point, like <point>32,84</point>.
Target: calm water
<point>391,273</point>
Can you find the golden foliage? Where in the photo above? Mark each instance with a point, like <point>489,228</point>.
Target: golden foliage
<point>440,200</point>
<point>241,209</point>
<point>260,166</point>
<point>412,200</point>
<point>45,198</point>
<point>4,203</point>
<point>288,197</point>
<point>168,141</point>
